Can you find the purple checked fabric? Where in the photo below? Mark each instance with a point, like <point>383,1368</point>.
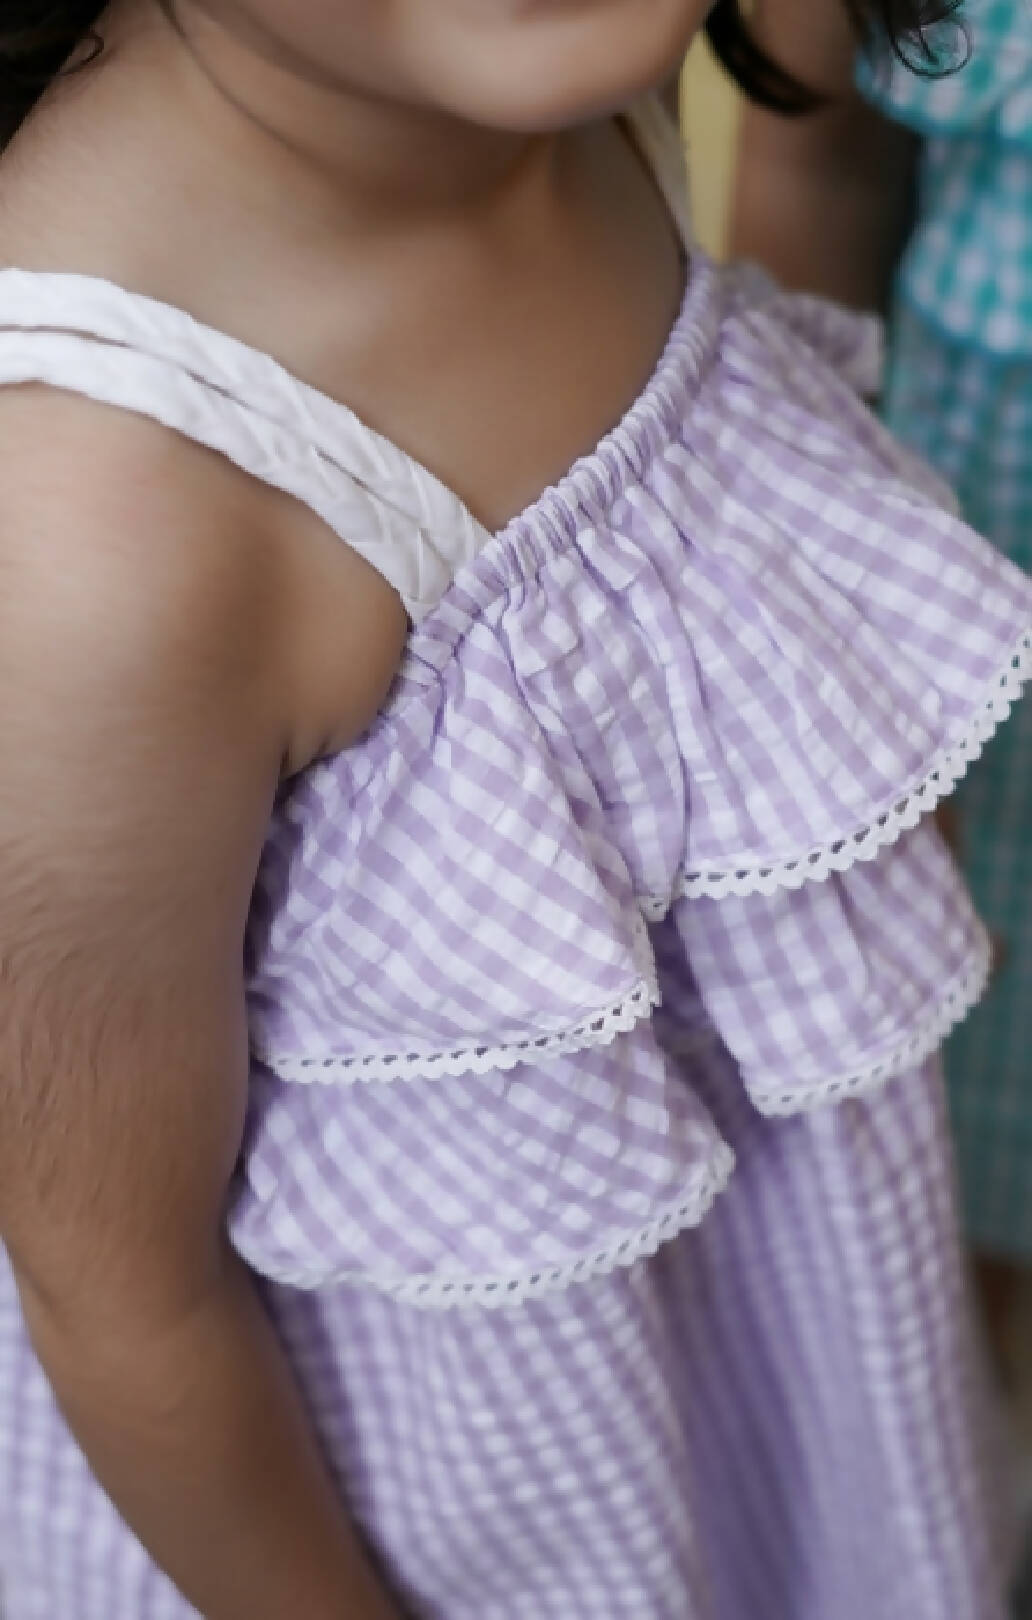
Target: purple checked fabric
<point>596,1173</point>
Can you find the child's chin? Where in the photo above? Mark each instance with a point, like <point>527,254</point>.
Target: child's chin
<point>568,61</point>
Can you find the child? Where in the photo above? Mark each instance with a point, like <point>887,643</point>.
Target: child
<point>959,391</point>
<point>471,1145</point>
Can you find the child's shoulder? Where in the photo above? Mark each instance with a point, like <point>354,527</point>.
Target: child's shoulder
<point>172,556</point>
<point>137,563</point>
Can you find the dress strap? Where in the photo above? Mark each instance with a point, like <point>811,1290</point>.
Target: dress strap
<point>93,338</point>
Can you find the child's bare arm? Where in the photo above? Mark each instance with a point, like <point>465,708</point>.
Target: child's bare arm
<point>144,688</point>
<point>822,199</point>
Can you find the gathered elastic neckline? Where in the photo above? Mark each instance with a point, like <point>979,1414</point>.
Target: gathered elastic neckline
<point>597,475</point>
<point>515,553</point>
<point>597,478</point>
<point>251,384</point>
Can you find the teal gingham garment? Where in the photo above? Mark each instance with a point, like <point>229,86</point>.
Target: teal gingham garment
<point>968,267</point>
<point>970,415</point>
<point>959,392</point>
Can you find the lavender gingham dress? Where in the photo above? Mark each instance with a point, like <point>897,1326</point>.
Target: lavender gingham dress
<point>595,1172</point>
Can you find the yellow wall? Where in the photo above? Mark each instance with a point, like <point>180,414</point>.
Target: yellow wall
<point>709,114</point>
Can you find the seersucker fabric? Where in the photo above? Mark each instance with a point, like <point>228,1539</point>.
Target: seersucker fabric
<point>595,1170</point>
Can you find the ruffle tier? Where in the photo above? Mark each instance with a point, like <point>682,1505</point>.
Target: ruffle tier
<point>739,649</point>
<point>649,794</point>
<point>484,1189</point>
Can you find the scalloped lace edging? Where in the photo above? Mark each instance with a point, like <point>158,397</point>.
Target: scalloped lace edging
<point>600,1029</point>
<point>958,1001</point>
<point>441,1293</point>
<point>816,864</point>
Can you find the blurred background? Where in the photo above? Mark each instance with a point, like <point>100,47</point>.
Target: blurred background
<point>709,116</point>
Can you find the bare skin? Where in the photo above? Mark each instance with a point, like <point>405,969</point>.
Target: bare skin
<point>174,639</point>
<point>153,692</point>
<point>401,256</point>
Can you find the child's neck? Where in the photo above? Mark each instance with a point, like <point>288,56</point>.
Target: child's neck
<point>524,286</point>
<point>358,152</point>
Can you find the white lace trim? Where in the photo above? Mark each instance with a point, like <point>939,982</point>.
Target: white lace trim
<point>960,997</point>
<point>599,1029</point>
<point>440,1293</point>
<point>948,767</point>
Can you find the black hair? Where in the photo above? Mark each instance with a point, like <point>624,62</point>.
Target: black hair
<point>38,38</point>
<point>902,28</point>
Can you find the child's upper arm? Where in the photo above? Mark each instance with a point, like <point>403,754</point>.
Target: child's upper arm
<point>144,683</point>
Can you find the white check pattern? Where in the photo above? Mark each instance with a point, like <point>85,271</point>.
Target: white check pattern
<point>571,914</point>
<point>966,267</point>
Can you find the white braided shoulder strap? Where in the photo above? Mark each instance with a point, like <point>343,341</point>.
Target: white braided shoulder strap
<point>90,337</point>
